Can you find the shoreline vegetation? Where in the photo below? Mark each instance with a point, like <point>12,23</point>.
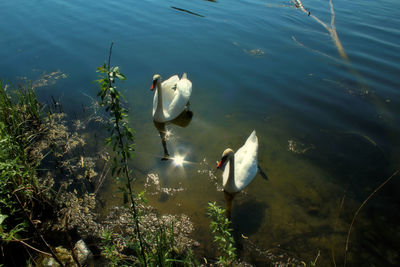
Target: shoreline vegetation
<point>50,176</point>
<point>49,190</point>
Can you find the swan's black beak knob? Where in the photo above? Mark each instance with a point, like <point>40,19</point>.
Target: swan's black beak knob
<point>153,85</point>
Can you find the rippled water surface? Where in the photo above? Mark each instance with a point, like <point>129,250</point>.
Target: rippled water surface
<point>328,127</point>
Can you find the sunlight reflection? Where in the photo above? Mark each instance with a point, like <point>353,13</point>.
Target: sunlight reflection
<point>168,134</point>
<point>178,160</point>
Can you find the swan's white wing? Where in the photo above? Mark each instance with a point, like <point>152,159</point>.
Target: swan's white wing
<point>169,84</point>
<point>185,87</point>
<point>246,162</point>
<point>181,97</point>
<point>168,91</point>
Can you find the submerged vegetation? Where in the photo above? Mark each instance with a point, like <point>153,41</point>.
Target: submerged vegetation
<point>49,192</point>
<point>49,189</point>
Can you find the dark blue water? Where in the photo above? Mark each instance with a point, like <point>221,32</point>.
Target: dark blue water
<point>328,127</point>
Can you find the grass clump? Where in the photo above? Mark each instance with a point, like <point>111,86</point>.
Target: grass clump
<point>21,193</point>
<point>19,126</point>
<point>42,198</point>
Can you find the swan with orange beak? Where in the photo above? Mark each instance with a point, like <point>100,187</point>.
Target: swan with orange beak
<point>171,97</point>
<point>239,168</point>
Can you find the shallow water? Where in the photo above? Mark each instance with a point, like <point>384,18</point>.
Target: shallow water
<point>328,130</point>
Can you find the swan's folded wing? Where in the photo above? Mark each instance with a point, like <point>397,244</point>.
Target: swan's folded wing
<point>168,93</point>
<point>185,87</point>
<point>181,97</point>
<point>169,90</point>
<point>170,84</point>
<point>246,162</point>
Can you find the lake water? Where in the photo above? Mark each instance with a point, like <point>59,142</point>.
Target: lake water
<point>328,128</point>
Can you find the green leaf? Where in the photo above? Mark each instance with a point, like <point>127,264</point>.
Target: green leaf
<point>120,76</point>
<point>2,218</point>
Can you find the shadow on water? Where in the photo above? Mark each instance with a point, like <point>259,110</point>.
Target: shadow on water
<point>360,165</point>
<point>247,216</point>
<point>183,120</point>
<point>353,158</point>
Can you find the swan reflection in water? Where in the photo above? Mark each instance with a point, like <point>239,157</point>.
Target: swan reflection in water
<point>183,120</point>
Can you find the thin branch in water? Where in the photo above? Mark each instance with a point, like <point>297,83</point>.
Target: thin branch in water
<point>331,29</point>
<point>102,177</point>
<point>314,50</point>
<point>358,211</point>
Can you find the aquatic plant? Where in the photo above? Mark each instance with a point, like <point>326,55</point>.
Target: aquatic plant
<point>121,138</point>
<point>220,227</point>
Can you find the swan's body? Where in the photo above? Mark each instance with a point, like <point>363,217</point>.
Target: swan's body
<point>171,97</point>
<point>240,167</point>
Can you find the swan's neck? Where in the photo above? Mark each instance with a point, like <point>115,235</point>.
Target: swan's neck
<point>231,175</point>
<point>159,100</point>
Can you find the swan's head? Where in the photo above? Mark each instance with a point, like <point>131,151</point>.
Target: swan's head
<point>156,78</point>
<point>226,155</point>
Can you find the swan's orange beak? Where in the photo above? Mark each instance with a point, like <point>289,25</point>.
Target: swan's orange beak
<point>153,85</point>
<point>221,163</point>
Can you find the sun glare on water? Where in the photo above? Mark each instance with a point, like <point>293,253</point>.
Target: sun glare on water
<point>179,160</point>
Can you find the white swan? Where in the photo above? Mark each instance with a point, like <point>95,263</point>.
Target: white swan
<point>240,167</point>
<point>171,97</point>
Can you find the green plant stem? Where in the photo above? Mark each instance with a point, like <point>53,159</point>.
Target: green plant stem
<point>125,159</point>
<point>133,203</point>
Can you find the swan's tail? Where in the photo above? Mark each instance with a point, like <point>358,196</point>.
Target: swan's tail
<point>262,173</point>
<point>184,76</point>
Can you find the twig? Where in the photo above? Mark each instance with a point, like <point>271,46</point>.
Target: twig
<point>102,177</point>
<point>316,258</point>
<point>30,255</point>
<point>358,211</point>
<point>38,232</point>
<point>314,50</point>
<point>31,247</point>
<point>331,29</point>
